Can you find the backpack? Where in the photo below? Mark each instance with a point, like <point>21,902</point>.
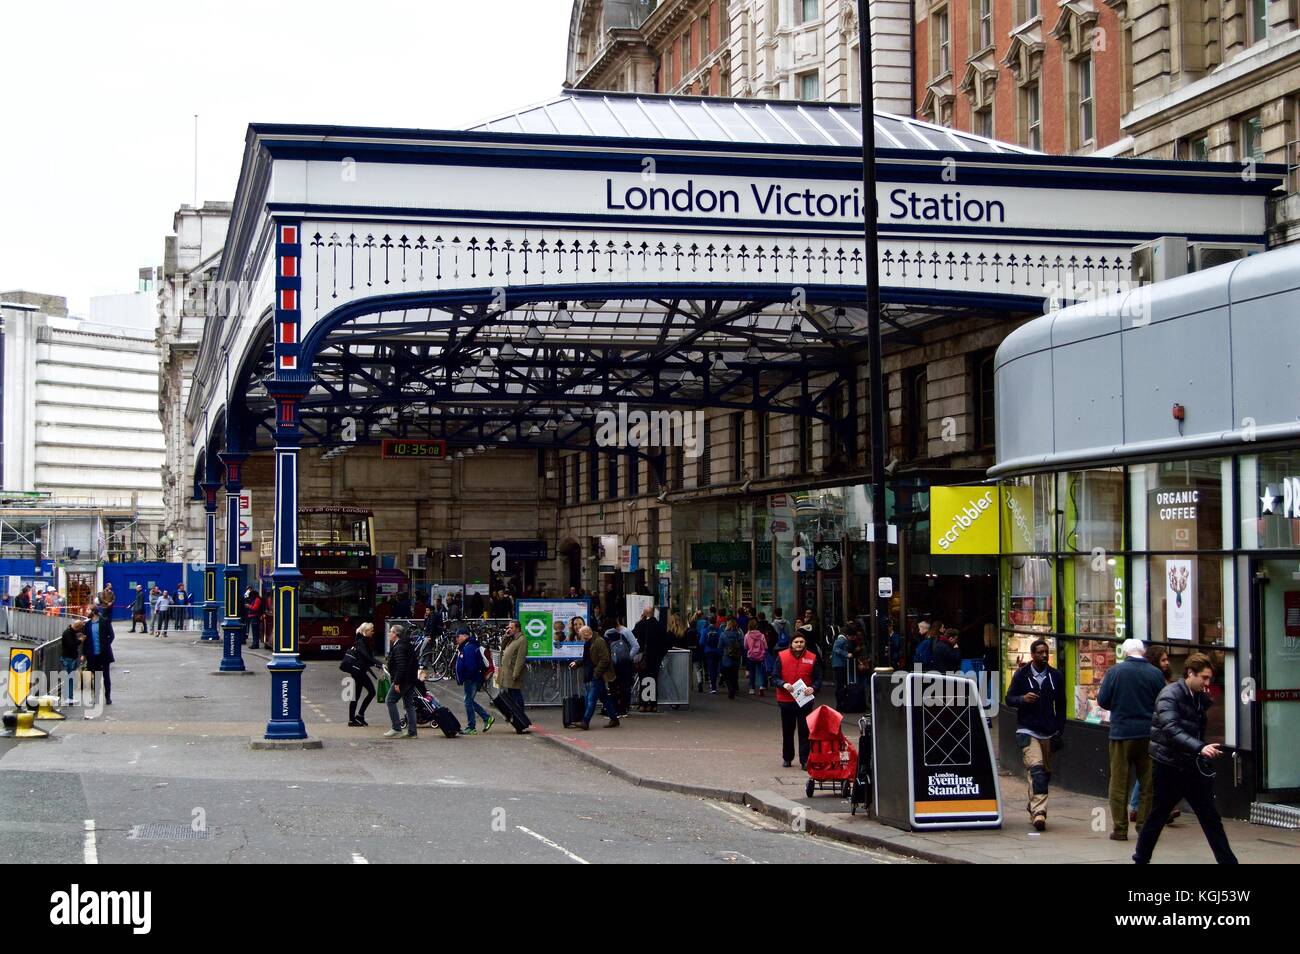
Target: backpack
<point>620,652</point>
<point>759,646</point>
<point>711,640</point>
<point>488,666</point>
<point>733,650</point>
<point>925,652</point>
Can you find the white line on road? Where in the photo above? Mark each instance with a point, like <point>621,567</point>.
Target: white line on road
<point>546,841</point>
<point>359,859</point>
<point>89,852</point>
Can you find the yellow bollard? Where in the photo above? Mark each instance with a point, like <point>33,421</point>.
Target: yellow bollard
<point>21,725</point>
<point>46,711</point>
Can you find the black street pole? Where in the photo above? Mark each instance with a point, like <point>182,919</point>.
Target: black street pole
<point>879,632</point>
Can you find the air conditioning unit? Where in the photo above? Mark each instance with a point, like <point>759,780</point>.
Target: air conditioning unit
<point>1154,261</point>
<point>1203,255</point>
<point>417,560</point>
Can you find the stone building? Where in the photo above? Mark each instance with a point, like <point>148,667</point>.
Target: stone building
<point>1218,81</point>
<point>190,260</point>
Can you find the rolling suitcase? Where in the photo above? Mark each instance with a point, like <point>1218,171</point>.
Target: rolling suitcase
<point>503,703</point>
<point>573,706</point>
<point>446,720</point>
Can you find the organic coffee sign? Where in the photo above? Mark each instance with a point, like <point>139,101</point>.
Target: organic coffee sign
<point>1171,518</point>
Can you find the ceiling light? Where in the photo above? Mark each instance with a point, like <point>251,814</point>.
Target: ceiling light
<point>550,424</point>
<point>466,376</point>
<point>508,351</point>
<point>753,355</point>
<point>534,431</point>
<point>480,448</point>
<point>568,418</point>
<point>533,336</point>
<point>485,363</point>
<point>796,339</point>
<point>503,439</point>
<point>562,318</point>
<point>841,325</point>
<point>718,363</point>
<point>457,456</point>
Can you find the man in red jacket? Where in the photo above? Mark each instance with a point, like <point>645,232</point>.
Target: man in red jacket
<point>793,665</point>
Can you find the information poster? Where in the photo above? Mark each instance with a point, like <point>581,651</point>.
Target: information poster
<point>549,627</point>
<point>637,604</point>
<point>1180,597</point>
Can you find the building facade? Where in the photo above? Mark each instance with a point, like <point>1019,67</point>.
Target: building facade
<point>191,257</point>
<point>80,402</point>
<point>761,49</point>
<point>1052,77</point>
<point>1218,81</point>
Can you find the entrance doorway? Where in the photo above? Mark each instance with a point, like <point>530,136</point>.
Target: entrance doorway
<point>1278,689</point>
<point>81,587</point>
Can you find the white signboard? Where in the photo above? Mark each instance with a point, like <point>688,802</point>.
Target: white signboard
<point>636,605</point>
<point>245,520</point>
<point>1180,596</point>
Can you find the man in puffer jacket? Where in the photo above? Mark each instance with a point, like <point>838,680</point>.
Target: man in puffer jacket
<point>1182,761</point>
<point>403,670</point>
<point>1037,693</point>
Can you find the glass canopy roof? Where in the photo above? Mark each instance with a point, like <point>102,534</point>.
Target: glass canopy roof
<point>751,121</point>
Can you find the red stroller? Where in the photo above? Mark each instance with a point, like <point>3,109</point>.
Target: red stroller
<point>832,760</point>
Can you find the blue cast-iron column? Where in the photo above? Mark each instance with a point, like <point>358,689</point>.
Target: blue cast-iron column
<point>285,667</point>
<point>210,566</point>
<point>232,624</point>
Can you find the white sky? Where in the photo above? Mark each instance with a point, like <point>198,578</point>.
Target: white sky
<point>98,101</point>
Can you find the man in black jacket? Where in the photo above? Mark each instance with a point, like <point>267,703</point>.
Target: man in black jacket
<point>69,653</point>
<point>403,670</point>
<point>1182,761</point>
<point>1037,693</point>
<point>653,639</point>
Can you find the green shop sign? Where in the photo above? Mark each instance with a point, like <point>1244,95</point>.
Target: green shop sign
<point>727,557</point>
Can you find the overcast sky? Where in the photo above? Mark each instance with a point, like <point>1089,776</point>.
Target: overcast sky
<point>98,101</point>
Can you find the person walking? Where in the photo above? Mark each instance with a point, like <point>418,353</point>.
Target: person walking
<point>600,673</point>
<point>653,639</point>
<point>1037,693</point>
<point>796,665</point>
<point>137,609</point>
<point>360,661</point>
<point>927,638</point>
<point>70,653</point>
<point>843,655</point>
<point>403,670</point>
<point>731,644</point>
<point>711,645</point>
<point>180,601</point>
<point>161,613</point>
<point>780,624</point>
<point>1128,691</point>
<point>755,658</point>
<point>471,667</point>
<point>98,654</point>
<point>946,656</point>
<point>1158,657</point>
<point>514,657</point>
<point>1183,761</point>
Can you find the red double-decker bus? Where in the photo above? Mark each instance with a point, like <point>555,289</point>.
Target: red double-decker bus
<point>336,557</point>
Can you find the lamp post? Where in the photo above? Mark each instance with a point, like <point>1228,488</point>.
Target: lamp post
<point>879,632</point>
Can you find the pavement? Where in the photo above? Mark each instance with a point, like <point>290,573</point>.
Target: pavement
<point>730,750</point>
<point>167,774</point>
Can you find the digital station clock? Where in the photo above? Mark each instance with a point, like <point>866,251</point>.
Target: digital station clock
<point>394,449</point>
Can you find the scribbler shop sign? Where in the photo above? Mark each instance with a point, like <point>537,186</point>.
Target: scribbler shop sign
<point>963,520</point>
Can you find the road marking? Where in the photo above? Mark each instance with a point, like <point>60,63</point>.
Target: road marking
<point>759,822</point>
<point>90,854</point>
<point>359,859</point>
<point>560,848</point>
<point>736,857</point>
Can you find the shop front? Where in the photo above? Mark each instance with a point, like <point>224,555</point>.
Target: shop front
<point>1188,539</point>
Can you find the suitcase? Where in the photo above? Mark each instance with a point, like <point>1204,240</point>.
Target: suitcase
<point>572,709</point>
<point>507,706</point>
<point>855,697</point>
<point>447,721</point>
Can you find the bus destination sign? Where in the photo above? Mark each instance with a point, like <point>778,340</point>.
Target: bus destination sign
<point>394,449</point>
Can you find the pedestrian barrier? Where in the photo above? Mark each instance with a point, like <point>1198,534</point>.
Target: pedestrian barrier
<point>30,626</point>
<point>21,725</point>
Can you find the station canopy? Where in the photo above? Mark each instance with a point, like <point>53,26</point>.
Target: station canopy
<point>501,283</point>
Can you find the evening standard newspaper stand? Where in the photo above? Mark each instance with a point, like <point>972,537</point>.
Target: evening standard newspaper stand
<point>932,754</point>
